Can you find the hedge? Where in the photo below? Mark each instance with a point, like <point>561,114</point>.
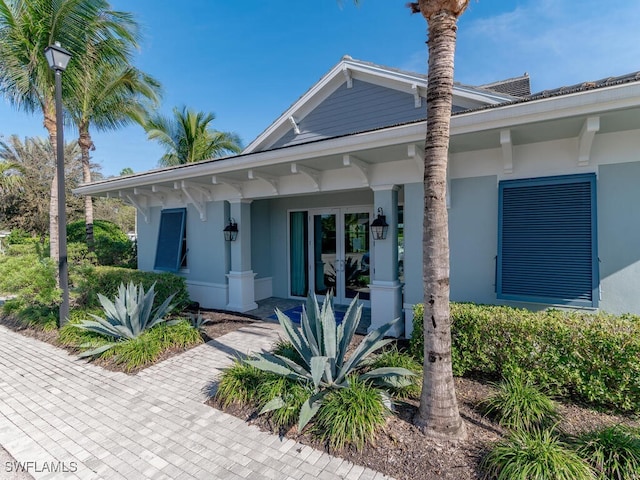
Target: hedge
<point>105,280</point>
<point>111,244</point>
<point>31,277</point>
<point>590,357</point>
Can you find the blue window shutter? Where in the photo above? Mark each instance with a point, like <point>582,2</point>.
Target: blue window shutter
<point>547,241</point>
<point>170,235</point>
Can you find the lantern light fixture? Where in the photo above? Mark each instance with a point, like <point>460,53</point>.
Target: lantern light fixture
<point>57,57</point>
<point>379,226</point>
<point>231,231</point>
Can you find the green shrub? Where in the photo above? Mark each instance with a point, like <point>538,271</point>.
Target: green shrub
<point>416,342</point>
<point>286,349</point>
<point>105,280</point>
<point>239,384</point>
<point>350,416</point>
<point>592,357</point>
<point>18,236</point>
<point>518,404</point>
<point>613,452</point>
<point>403,387</point>
<point>111,245</point>
<point>535,454</point>
<point>20,249</point>
<point>293,394</point>
<point>78,255</point>
<point>31,278</point>
<point>135,353</point>
<point>37,316</point>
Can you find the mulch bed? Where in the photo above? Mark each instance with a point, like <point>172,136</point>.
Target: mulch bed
<point>403,452</point>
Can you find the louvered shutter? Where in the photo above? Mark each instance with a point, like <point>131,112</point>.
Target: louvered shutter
<point>547,240</point>
<point>170,235</point>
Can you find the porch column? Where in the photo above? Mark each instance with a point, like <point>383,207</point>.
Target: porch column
<point>241,277</point>
<point>386,290</point>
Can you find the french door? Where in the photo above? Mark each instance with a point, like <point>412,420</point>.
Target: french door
<point>329,250</point>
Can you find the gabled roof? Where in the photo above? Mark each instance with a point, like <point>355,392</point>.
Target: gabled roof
<point>348,69</point>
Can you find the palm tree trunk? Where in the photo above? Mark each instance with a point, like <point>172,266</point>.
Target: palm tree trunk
<point>50,125</point>
<point>438,414</point>
<point>86,143</point>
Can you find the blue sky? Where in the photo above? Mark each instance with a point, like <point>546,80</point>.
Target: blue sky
<point>249,61</point>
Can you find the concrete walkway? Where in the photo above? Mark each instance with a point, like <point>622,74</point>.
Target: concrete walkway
<point>63,418</point>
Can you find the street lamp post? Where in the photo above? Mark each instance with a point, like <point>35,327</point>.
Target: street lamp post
<point>58,58</point>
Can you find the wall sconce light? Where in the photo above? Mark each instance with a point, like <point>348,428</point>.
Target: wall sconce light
<point>231,231</point>
<point>379,226</point>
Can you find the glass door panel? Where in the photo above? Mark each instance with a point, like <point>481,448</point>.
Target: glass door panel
<point>355,262</point>
<point>325,250</point>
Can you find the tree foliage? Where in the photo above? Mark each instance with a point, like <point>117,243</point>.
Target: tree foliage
<point>27,207</point>
<point>187,137</point>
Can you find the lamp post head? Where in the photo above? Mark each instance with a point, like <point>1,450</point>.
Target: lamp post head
<point>57,57</point>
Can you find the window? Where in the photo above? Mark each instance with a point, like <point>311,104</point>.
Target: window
<point>171,252</point>
<point>547,241</point>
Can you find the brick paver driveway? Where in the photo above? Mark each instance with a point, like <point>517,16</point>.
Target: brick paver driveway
<point>63,418</point>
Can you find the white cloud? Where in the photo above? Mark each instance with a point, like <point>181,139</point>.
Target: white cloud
<point>558,42</point>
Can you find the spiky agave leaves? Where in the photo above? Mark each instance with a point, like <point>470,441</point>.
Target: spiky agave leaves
<point>322,345</point>
<point>127,317</point>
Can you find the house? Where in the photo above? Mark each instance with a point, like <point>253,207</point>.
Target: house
<point>543,198</point>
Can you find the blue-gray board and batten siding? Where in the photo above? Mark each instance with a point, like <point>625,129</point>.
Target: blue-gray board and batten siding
<point>362,107</point>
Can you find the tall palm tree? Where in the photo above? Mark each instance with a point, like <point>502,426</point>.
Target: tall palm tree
<point>438,414</point>
<point>108,94</point>
<point>187,137</point>
<point>26,28</point>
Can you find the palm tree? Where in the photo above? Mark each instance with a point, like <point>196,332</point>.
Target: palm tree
<point>10,176</point>
<point>27,207</point>
<point>26,80</point>
<point>438,414</point>
<point>108,94</point>
<point>187,137</point>
<point>11,173</point>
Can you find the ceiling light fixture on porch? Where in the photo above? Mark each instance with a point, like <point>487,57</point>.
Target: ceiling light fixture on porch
<point>231,231</point>
<point>379,226</point>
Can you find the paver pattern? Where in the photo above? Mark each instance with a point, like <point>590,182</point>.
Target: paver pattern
<point>64,418</point>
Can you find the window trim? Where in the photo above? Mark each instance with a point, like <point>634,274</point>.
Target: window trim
<point>595,274</point>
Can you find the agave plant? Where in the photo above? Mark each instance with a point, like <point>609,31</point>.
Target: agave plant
<point>130,315</point>
<point>197,321</point>
<point>322,347</point>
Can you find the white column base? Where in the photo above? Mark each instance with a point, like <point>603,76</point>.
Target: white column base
<point>386,306</point>
<point>241,291</point>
